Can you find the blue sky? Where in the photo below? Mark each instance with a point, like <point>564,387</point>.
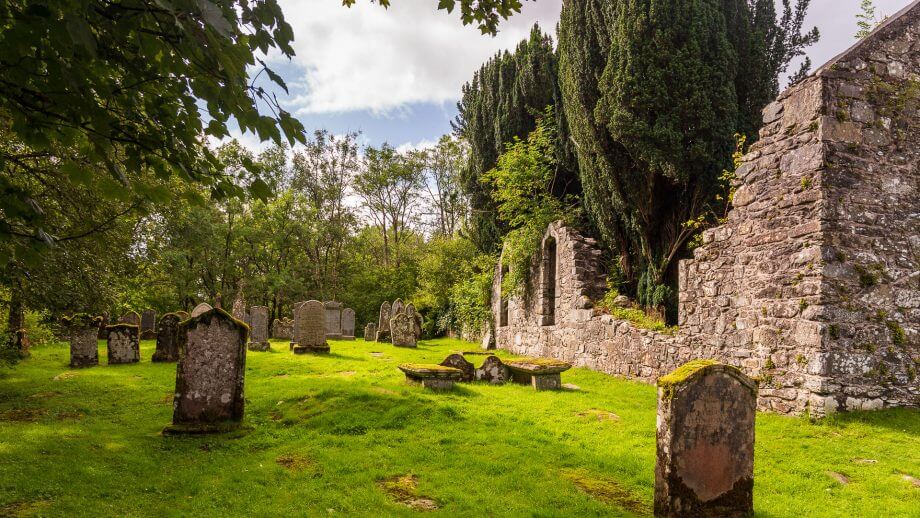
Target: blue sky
<point>395,74</point>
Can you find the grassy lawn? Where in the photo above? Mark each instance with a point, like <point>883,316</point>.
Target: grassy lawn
<point>344,434</point>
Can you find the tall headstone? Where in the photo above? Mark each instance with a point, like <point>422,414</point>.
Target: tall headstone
<point>383,323</point>
<point>705,435</point>
<point>123,345</point>
<point>398,307</point>
<point>209,376</point>
<point>148,324</point>
<point>416,319</point>
<point>258,337</point>
<point>239,311</point>
<point>84,339</point>
<point>130,317</point>
<point>348,324</point>
<point>310,328</point>
<point>200,309</point>
<point>402,330</point>
<point>370,332</point>
<point>167,338</point>
<point>333,319</point>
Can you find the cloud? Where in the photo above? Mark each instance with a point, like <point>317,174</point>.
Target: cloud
<point>370,58</point>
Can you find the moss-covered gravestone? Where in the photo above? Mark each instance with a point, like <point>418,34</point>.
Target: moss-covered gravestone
<point>123,345</point>
<point>310,328</point>
<point>200,309</point>
<point>348,324</point>
<point>148,324</point>
<point>402,330</point>
<point>397,308</point>
<point>167,338</point>
<point>541,373</point>
<point>416,319</point>
<point>430,376</point>
<point>210,373</point>
<point>258,338</point>
<point>458,362</point>
<point>84,342</point>
<point>705,435</point>
<point>370,332</point>
<point>493,371</point>
<point>383,323</point>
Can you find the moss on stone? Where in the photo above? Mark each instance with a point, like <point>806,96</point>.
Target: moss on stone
<point>81,320</point>
<point>112,327</point>
<point>685,371</point>
<point>191,321</point>
<point>428,367</point>
<point>608,491</point>
<point>897,332</point>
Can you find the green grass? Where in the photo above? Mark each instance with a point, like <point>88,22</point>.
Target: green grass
<point>345,434</point>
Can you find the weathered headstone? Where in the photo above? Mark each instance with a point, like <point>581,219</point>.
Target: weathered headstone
<point>167,338</point>
<point>130,317</point>
<point>458,362</point>
<point>705,435</point>
<point>239,311</point>
<point>148,324</point>
<point>200,309</point>
<point>333,319</point>
<point>258,338</point>
<point>493,371</point>
<point>398,307</point>
<point>282,328</point>
<point>123,345</point>
<point>84,339</point>
<point>183,315</point>
<point>370,332</point>
<point>348,324</point>
<point>402,331</point>
<point>416,320</point>
<point>310,328</point>
<point>294,321</point>
<point>209,376</point>
<point>383,323</point>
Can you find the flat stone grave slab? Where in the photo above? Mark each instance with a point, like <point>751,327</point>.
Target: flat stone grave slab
<point>541,373</point>
<point>431,376</point>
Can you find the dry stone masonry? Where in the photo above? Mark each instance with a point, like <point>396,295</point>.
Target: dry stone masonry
<point>123,345</point>
<point>811,286</point>
<point>167,338</point>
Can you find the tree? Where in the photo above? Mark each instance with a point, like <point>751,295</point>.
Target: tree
<point>866,19</point>
<point>444,165</point>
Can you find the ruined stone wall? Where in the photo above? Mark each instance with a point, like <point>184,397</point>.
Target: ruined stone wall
<point>812,285</point>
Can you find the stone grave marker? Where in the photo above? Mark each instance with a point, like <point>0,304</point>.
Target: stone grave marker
<point>148,324</point>
<point>167,338</point>
<point>310,328</point>
<point>210,373</point>
<point>200,309</point>
<point>383,323</point>
<point>370,332</point>
<point>239,311</point>
<point>493,371</point>
<point>130,317</point>
<point>258,337</point>
<point>458,362</point>
<point>705,441</point>
<point>402,331</point>
<point>416,320</point>
<point>348,324</point>
<point>333,319</point>
<point>183,315</point>
<point>398,307</point>
<point>541,373</point>
<point>84,339</point>
<point>123,345</point>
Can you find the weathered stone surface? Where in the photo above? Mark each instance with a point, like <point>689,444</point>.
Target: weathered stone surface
<point>333,319</point>
<point>200,309</point>
<point>83,331</point>
<point>493,371</point>
<point>210,374</point>
<point>431,376</point>
<point>370,332</point>
<point>283,328</point>
<point>131,318</point>
<point>383,323</point>
<point>239,310</point>
<point>705,436</point>
<point>183,315</point>
<point>167,338</point>
<point>540,373</point>
<point>148,324</point>
<point>403,331</point>
<point>416,320</point>
<point>258,330</point>
<point>348,324</point>
<point>458,362</point>
<point>398,307</point>
<point>123,345</point>
<point>309,328</point>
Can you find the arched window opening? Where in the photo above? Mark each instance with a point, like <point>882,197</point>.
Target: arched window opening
<point>548,287</point>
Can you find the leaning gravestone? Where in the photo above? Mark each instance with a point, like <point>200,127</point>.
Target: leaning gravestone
<point>398,307</point>
<point>258,338</point>
<point>402,331</point>
<point>123,345</point>
<point>705,435</point>
<point>370,332</point>
<point>84,342</point>
<point>209,376</point>
<point>130,317</point>
<point>348,324</point>
<point>148,324</point>
<point>333,319</point>
<point>167,338</point>
<point>310,328</point>
<point>200,309</point>
<point>383,323</point>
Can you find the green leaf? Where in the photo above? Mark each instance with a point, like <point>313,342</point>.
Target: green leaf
<point>260,190</point>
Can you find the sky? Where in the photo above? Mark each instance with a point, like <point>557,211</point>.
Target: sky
<point>396,74</point>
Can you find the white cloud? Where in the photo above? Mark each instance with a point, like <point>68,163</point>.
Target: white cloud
<point>370,58</point>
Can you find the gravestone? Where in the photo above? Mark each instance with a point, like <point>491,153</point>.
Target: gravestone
<point>209,376</point>
<point>370,332</point>
<point>84,339</point>
<point>282,328</point>
<point>294,322</point>
<point>705,441</point>
<point>239,311</point>
<point>348,324</point>
<point>398,307</point>
<point>402,331</point>
<point>310,328</point>
<point>416,320</point>
<point>183,315</point>
<point>200,309</point>
<point>258,338</point>
<point>167,338</point>
<point>493,371</point>
<point>148,324</point>
<point>383,323</point>
<point>130,317</point>
<point>333,319</point>
<point>123,345</point>
<point>458,362</point>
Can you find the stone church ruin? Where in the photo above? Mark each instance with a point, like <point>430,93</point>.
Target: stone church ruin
<point>812,284</point>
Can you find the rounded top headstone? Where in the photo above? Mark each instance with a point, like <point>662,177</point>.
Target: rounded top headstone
<point>200,309</point>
